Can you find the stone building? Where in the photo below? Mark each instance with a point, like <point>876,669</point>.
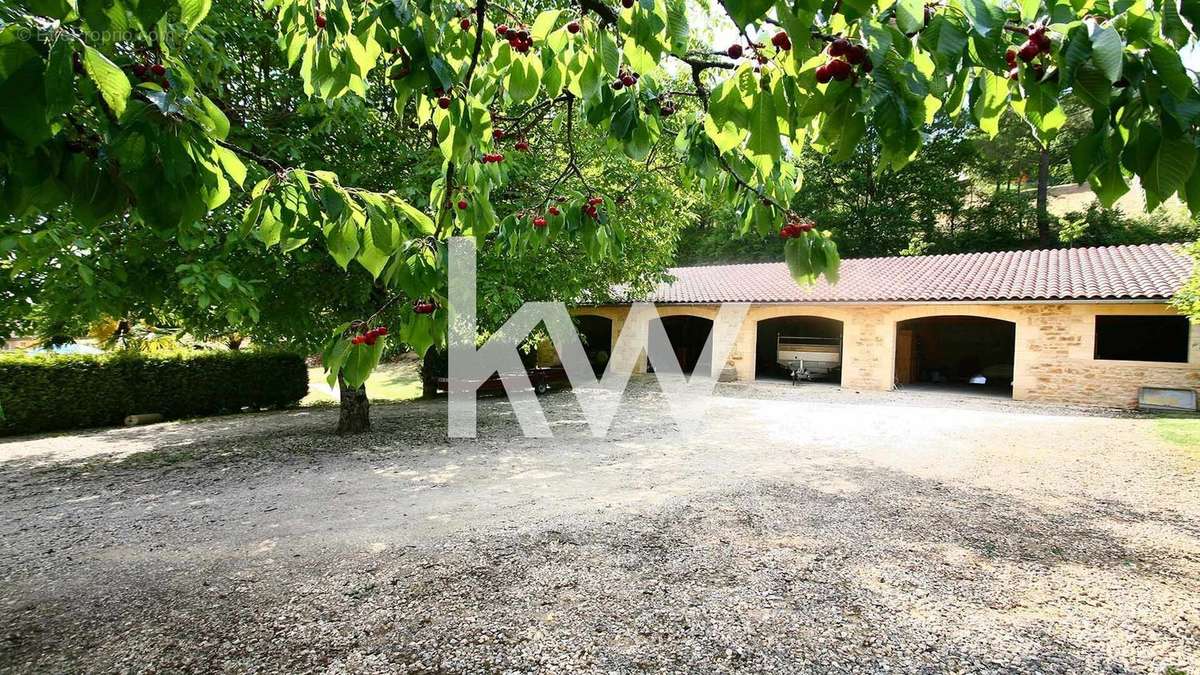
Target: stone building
<point>1090,325</point>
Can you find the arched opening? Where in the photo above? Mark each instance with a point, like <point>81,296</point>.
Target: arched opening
<point>794,348</point>
<point>967,354</point>
<point>688,335</point>
<point>596,334</point>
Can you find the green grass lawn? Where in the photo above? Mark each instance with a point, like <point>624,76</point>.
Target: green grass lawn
<point>398,381</point>
<point>1182,431</point>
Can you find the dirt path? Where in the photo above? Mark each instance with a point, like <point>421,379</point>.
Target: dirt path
<point>806,529</point>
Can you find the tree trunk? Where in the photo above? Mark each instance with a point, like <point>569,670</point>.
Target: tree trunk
<point>1043,187</point>
<point>355,415</point>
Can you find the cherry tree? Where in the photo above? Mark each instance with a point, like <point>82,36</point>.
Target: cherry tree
<point>105,111</point>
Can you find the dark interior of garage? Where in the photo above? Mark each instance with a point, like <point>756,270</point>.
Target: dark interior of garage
<point>958,352</point>
<point>687,335</point>
<point>825,334</point>
<point>596,334</point>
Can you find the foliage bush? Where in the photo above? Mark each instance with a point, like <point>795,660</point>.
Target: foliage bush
<point>48,393</point>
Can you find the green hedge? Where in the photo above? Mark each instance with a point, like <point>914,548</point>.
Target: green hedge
<point>48,393</point>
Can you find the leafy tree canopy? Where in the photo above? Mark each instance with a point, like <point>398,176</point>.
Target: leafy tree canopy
<point>115,110</point>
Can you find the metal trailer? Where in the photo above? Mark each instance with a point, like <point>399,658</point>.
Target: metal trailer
<point>809,358</point>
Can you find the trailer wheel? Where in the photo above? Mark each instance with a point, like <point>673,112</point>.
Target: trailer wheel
<point>541,387</point>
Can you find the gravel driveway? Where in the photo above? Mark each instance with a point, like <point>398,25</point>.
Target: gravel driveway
<point>802,530</point>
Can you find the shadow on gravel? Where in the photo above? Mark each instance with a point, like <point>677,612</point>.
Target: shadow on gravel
<point>904,572</point>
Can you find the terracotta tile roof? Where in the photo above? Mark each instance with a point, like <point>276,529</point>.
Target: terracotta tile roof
<point>1151,271</point>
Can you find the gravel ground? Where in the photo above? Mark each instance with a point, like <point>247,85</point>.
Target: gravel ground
<point>802,529</point>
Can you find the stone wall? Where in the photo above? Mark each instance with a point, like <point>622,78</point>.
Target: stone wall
<point>1053,359</point>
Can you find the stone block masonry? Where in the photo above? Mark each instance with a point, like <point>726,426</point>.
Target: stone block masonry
<point>1053,358</point>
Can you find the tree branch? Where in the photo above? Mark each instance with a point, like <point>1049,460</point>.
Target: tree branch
<point>480,9</point>
<point>608,15</point>
<point>265,162</point>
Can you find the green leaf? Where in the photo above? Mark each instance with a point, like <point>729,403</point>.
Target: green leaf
<point>610,54</point>
<point>1084,154</point>
<point>1107,51</point>
<point>745,12</point>
<point>415,216</point>
<point>361,362</point>
<point>797,252</point>
<point>1092,87</point>
<point>192,12</point>
<point>1042,109</point>
<point>910,15</point>
<point>543,24</point>
<point>1192,191</point>
<point>1170,69</point>
<point>110,80</point>
<point>60,80</point>
<point>1174,29</point>
<point>990,102</point>
<point>343,243</point>
<point>1170,167</point>
<point>985,15</point>
<point>833,260</point>
<point>523,79</point>
<point>764,146</point>
<point>232,164</point>
<point>677,25</point>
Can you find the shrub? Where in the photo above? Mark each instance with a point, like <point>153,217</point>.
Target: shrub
<point>47,393</point>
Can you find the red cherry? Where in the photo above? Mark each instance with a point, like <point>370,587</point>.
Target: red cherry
<point>139,70</point>
<point>734,51</point>
<point>465,24</point>
<point>497,134</point>
<point>502,30</point>
<point>1010,56</point>
<point>165,84</point>
<point>381,331</point>
<point>840,70</point>
<point>839,47</point>
<point>781,41</point>
<point>823,74</point>
<point>628,81</point>
<point>444,102</point>
<point>804,226</point>
<point>867,66</point>
<point>1043,41</point>
<point>1029,51</point>
<point>856,55</point>
<point>158,70</point>
<point>320,20</point>
<point>539,222</point>
<point>554,211</point>
<point>370,339</point>
<point>462,205</point>
<point>356,340</point>
<point>627,4</point>
<point>573,27</point>
<point>1014,74</point>
<point>787,231</point>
